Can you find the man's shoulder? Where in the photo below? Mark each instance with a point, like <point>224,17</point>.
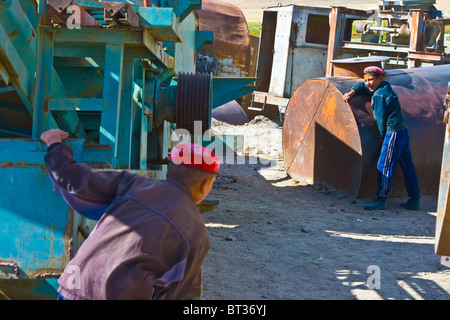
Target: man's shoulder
<point>385,89</point>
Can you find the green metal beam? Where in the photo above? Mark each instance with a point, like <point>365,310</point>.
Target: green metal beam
<point>161,22</point>
<point>97,35</point>
<point>203,38</point>
<point>228,89</point>
<point>76,104</point>
<point>13,65</point>
<point>42,119</point>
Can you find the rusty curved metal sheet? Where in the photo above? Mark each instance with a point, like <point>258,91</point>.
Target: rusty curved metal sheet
<point>231,113</point>
<point>233,53</point>
<point>326,140</point>
<point>227,19</point>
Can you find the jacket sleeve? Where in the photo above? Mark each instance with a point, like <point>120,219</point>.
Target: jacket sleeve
<point>89,193</point>
<point>360,88</point>
<point>379,112</point>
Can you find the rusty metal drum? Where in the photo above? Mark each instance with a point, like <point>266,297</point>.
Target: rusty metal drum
<point>327,140</point>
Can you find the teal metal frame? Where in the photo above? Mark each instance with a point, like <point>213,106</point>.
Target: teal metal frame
<point>112,88</point>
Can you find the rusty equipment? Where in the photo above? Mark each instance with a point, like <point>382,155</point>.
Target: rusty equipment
<point>233,54</point>
<point>409,33</point>
<point>326,140</point>
<point>291,36</point>
<point>442,244</point>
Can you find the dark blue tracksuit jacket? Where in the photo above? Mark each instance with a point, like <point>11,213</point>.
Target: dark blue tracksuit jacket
<point>395,149</point>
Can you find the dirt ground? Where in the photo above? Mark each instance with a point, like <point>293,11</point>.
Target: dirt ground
<point>276,238</point>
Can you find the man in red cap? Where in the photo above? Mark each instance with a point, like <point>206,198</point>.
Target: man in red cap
<point>150,240</point>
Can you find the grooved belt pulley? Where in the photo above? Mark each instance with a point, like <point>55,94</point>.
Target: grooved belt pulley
<point>193,101</point>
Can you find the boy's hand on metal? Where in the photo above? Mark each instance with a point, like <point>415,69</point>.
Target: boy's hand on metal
<point>53,135</point>
<point>347,96</point>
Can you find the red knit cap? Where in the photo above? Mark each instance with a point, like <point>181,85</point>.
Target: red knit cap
<point>374,70</point>
<point>196,156</point>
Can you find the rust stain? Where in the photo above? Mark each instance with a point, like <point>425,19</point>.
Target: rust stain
<point>8,164</point>
<point>44,273</point>
<point>233,48</point>
<point>68,237</point>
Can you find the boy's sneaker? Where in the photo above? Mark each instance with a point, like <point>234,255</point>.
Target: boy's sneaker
<point>376,205</point>
<point>411,204</point>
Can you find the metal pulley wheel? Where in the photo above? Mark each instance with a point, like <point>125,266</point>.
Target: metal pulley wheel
<point>193,101</point>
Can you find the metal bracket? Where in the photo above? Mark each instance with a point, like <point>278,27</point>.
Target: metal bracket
<point>258,98</point>
<point>57,11</point>
<point>120,14</point>
<point>9,270</point>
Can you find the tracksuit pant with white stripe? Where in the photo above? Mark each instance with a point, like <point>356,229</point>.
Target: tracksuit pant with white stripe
<point>395,149</point>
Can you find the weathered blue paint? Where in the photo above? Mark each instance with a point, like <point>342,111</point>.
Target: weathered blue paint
<point>161,22</point>
<point>228,89</point>
<point>203,38</point>
<point>36,224</point>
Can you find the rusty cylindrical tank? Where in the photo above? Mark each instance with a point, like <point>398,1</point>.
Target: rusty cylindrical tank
<point>329,141</point>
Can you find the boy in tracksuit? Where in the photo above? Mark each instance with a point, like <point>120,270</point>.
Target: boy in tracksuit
<point>392,126</point>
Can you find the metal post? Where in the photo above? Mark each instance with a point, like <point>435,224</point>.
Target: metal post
<point>417,40</point>
<point>335,37</point>
<point>125,116</point>
<point>114,54</point>
<point>42,119</point>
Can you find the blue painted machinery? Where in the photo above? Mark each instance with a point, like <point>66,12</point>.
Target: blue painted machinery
<point>119,76</point>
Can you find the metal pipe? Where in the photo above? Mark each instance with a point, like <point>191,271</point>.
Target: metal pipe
<point>327,140</point>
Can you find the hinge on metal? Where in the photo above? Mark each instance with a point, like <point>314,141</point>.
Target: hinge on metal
<point>258,98</point>
<point>120,14</point>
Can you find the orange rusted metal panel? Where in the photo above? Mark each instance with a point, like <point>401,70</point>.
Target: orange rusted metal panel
<point>354,67</point>
<point>233,50</point>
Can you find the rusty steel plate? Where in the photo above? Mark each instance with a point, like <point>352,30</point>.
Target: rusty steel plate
<point>321,140</point>
<point>231,113</point>
<point>354,67</point>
